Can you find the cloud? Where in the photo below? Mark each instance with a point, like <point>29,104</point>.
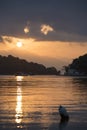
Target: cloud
<point>5,39</point>
<point>26,29</point>
<point>1,39</point>
<point>68,19</point>
<point>82,44</point>
<point>8,39</point>
<point>46,28</point>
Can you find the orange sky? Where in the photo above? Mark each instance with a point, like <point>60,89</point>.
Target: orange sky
<point>51,32</point>
<point>49,53</point>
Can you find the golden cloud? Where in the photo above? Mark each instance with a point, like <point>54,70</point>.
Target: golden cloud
<point>26,29</point>
<point>46,28</point>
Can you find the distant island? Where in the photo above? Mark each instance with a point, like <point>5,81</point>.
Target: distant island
<point>78,67</point>
<point>11,65</point>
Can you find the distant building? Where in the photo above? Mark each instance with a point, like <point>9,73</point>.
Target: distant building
<point>72,72</point>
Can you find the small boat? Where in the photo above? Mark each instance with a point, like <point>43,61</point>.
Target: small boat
<point>63,113</point>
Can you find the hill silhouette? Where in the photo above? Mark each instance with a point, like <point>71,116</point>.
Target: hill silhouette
<point>79,65</point>
<point>11,65</point>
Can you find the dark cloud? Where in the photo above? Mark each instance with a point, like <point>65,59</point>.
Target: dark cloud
<point>82,44</point>
<point>1,40</point>
<point>7,39</point>
<point>67,17</point>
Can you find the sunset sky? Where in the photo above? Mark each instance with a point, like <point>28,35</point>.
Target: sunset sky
<point>51,32</point>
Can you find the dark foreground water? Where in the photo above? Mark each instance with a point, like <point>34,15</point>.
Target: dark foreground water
<point>31,102</point>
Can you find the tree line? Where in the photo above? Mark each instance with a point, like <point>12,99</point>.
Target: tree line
<point>11,65</point>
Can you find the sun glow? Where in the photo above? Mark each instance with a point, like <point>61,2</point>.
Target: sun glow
<point>19,112</point>
<point>19,44</point>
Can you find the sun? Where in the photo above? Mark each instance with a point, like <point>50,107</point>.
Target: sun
<point>19,44</point>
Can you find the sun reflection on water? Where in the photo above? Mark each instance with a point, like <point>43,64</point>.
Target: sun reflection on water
<point>19,78</point>
<point>19,112</point>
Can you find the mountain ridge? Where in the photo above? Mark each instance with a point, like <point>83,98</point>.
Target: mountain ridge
<point>10,65</point>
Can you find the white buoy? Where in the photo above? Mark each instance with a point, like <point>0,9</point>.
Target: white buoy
<point>63,113</point>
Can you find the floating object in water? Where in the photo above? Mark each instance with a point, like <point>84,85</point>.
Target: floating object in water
<point>63,113</point>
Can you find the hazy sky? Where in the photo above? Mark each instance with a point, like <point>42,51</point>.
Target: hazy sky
<point>51,32</point>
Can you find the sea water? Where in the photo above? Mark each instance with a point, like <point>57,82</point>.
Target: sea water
<point>32,102</point>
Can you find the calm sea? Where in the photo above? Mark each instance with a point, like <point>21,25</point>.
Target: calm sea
<point>31,102</point>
